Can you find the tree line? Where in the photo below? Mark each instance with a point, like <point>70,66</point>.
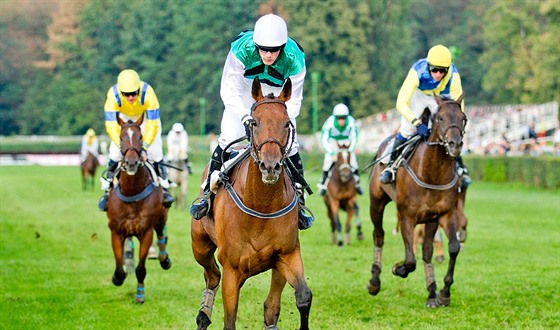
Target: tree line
<point>58,58</point>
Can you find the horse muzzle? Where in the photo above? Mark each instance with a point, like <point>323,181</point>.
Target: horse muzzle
<point>131,167</point>
<point>270,172</point>
<point>454,147</point>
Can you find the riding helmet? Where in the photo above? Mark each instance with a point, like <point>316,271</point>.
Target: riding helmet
<point>270,31</point>
<point>439,56</point>
<point>128,81</point>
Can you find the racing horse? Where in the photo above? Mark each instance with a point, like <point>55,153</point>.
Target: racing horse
<point>135,207</point>
<point>178,173</point>
<point>88,168</point>
<point>425,191</point>
<point>341,194</point>
<point>254,223</point>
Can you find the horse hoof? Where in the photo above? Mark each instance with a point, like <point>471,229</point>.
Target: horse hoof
<point>340,243</point>
<point>118,279</point>
<point>443,301</point>
<point>360,237</point>
<point>432,303</point>
<point>165,264</point>
<point>271,327</point>
<point>374,286</point>
<point>139,300</point>
<point>400,270</point>
<point>203,321</point>
<point>440,259</point>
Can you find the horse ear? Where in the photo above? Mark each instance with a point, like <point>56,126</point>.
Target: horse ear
<point>460,99</point>
<point>256,90</point>
<point>140,120</point>
<point>119,120</point>
<point>286,92</point>
<point>439,100</point>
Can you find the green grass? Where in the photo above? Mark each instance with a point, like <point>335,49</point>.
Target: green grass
<point>56,266</point>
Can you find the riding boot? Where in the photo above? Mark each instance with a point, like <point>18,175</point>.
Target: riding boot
<point>201,206</point>
<point>108,183</point>
<point>463,172</point>
<point>322,189</point>
<point>388,174</point>
<point>305,221</point>
<point>162,173</point>
<point>357,179</point>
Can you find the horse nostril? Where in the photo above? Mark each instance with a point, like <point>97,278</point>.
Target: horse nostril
<point>278,167</point>
<point>262,167</point>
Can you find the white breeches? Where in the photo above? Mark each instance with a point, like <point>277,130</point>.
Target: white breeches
<point>418,103</point>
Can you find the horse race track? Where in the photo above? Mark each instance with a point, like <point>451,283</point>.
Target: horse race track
<point>57,263</point>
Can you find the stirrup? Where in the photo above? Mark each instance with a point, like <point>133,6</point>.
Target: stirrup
<point>304,221</point>
<point>387,175</point>
<point>200,206</point>
<point>322,189</point>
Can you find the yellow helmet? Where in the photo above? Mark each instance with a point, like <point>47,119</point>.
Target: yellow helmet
<point>128,81</point>
<point>439,55</point>
<point>90,132</point>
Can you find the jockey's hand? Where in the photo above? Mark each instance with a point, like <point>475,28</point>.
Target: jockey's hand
<point>423,131</point>
<point>144,154</point>
<point>248,122</point>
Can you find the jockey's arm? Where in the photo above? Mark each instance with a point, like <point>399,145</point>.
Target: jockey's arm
<point>293,105</point>
<point>456,89</point>
<point>111,112</point>
<point>408,88</point>
<point>232,85</point>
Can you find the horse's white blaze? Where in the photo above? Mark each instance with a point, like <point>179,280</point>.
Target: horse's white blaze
<point>130,134</point>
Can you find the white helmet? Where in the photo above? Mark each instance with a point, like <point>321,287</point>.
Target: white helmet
<point>270,31</point>
<point>177,127</point>
<point>340,110</point>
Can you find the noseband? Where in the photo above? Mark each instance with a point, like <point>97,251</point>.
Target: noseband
<point>138,151</point>
<point>284,149</point>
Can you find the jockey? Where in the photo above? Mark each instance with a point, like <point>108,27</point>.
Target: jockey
<point>129,99</point>
<point>339,128</point>
<point>269,54</point>
<point>177,145</point>
<point>430,76</point>
<point>90,143</point>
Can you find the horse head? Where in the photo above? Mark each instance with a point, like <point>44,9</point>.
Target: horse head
<point>343,163</point>
<point>448,125</point>
<point>272,131</point>
<point>131,144</point>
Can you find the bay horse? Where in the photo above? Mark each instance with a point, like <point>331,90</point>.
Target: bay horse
<point>254,224</point>
<point>425,191</point>
<point>135,207</point>
<point>341,194</point>
<point>178,174</point>
<point>88,168</point>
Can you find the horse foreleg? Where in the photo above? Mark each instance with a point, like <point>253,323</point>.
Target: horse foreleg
<point>358,222</point>
<point>427,253</point>
<point>163,257</point>
<point>291,267</point>
<point>402,269</point>
<point>231,283</point>
<point>376,209</point>
<point>203,251</point>
<point>450,227</point>
<point>272,303</point>
<point>348,227</point>
<point>119,275</point>
<point>145,243</point>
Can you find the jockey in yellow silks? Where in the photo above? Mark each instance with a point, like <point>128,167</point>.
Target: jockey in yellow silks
<point>90,143</point>
<point>433,75</point>
<point>129,99</point>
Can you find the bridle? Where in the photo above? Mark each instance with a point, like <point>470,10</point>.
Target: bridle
<point>284,149</point>
<point>137,150</point>
<point>442,137</point>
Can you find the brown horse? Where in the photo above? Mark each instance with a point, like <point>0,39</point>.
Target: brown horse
<point>341,194</point>
<point>179,175</point>
<point>254,225</point>
<point>425,191</point>
<point>88,168</point>
<point>135,207</point>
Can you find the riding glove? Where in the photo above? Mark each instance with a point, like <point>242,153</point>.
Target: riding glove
<point>423,131</point>
<point>248,122</point>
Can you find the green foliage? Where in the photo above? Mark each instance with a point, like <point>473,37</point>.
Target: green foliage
<point>362,51</point>
<point>531,171</point>
<point>57,264</point>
